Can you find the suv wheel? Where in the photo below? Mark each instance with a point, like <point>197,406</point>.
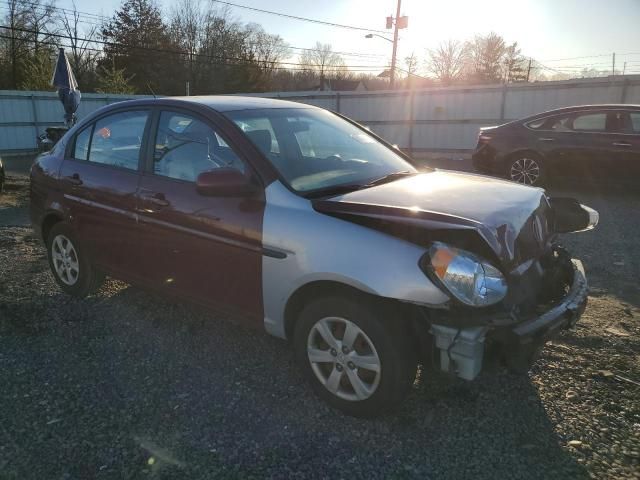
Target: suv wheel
<point>525,168</point>
<point>70,266</point>
<point>356,358</point>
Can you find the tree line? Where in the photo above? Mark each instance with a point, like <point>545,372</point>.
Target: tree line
<point>199,48</point>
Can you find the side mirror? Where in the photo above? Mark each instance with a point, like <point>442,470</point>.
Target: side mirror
<point>571,216</point>
<point>225,182</point>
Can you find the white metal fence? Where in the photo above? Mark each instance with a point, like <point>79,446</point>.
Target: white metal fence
<point>24,115</point>
<point>433,120</point>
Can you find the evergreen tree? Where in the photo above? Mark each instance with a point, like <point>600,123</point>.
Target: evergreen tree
<point>138,43</point>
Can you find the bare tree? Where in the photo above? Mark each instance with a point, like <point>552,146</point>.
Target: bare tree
<point>28,40</point>
<point>84,54</point>
<point>447,62</point>
<point>411,63</point>
<point>267,49</point>
<point>323,61</point>
<point>187,25</point>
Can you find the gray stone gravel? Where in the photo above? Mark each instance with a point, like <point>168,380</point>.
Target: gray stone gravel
<point>128,384</point>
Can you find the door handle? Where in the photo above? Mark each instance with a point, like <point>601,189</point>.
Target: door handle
<point>156,199</point>
<point>621,144</point>
<point>74,179</point>
<point>547,139</point>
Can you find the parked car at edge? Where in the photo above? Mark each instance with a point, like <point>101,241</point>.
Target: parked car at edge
<point>596,141</point>
<point>2,176</point>
<point>296,220</point>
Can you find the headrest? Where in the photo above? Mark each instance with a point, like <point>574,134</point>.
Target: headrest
<point>261,138</point>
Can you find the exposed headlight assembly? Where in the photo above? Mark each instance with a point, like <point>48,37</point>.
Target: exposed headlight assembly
<point>469,278</point>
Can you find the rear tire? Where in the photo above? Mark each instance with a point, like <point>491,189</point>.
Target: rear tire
<point>366,367</point>
<point>69,262</point>
<point>526,168</point>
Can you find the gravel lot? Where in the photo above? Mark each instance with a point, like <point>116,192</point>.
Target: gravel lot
<point>126,384</point>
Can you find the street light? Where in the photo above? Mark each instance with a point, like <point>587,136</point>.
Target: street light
<point>396,23</point>
<point>371,35</point>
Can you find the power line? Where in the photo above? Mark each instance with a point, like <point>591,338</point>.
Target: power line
<point>176,52</point>
<point>304,19</point>
<point>590,56</point>
<point>160,50</point>
<point>93,23</point>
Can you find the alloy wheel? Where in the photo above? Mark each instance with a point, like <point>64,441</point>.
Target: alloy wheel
<point>65,260</point>
<point>525,170</point>
<point>343,358</point>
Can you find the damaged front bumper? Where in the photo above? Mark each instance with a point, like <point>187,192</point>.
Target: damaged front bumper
<point>462,350</point>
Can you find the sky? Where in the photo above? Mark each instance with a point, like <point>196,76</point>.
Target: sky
<point>551,31</point>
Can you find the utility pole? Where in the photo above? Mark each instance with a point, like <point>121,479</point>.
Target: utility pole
<point>613,65</point>
<point>529,70</point>
<point>395,48</point>
<point>624,68</point>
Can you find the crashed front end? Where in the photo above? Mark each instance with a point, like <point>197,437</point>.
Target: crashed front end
<point>493,247</point>
<point>542,296</point>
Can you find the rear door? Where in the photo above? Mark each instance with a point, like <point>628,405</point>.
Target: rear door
<point>100,175</point>
<point>626,145</point>
<point>595,133</point>
<point>205,248</point>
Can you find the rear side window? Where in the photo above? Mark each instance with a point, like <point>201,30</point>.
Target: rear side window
<point>635,121</point>
<point>555,124</point>
<point>81,148</point>
<point>117,139</point>
<point>590,122</point>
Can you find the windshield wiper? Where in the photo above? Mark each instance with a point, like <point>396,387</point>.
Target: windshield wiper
<point>334,190</point>
<point>389,178</point>
<point>352,187</point>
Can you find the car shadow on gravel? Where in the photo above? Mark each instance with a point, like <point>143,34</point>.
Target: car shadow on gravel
<point>127,382</point>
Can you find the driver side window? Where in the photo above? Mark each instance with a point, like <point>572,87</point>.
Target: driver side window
<point>186,146</point>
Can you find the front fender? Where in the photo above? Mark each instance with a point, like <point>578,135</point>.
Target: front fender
<point>317,247</point>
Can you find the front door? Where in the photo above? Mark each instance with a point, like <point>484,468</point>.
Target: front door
<point>206,248</point>
<point>100,174</point>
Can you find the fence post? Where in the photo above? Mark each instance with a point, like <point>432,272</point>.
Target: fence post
<point>623,94</point>
<point>503,101</point>
<point>412,120</point>
<point>34,110</point>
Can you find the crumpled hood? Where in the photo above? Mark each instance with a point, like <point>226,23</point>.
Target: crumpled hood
<point>511,218</point>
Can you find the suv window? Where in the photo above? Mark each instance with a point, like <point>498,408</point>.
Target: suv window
<point>81,148</point>
<point>185,147</point>
<point>590,122</point>
<point>117,138</point>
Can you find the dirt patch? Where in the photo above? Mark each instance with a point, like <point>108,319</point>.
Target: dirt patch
<point>14,201</point>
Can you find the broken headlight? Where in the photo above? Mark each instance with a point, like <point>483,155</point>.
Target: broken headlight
<point>469,278</point>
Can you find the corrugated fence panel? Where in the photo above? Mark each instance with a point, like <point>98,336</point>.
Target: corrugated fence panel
<point>15,110</point>
<point>15,138</point>
<point>444,119</point>
<point>458,105</point>
<point>24,115</point>
<point>391,107</point>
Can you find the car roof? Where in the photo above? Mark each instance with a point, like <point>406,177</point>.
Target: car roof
<point>221,103</point>
<point>581,108</point>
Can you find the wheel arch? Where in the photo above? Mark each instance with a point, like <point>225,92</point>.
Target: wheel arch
<point>511,155</point>
<point>315,289</point>
<point>48,221</point>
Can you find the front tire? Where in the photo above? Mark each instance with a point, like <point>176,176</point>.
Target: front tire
<point>355,355</point>
<point>70,264</point>
<point>526,168</point>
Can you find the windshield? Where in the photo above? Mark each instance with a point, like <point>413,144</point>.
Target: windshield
<point>315,150</point>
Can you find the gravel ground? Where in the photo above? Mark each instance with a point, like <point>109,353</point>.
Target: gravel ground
<point>126,384</point>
